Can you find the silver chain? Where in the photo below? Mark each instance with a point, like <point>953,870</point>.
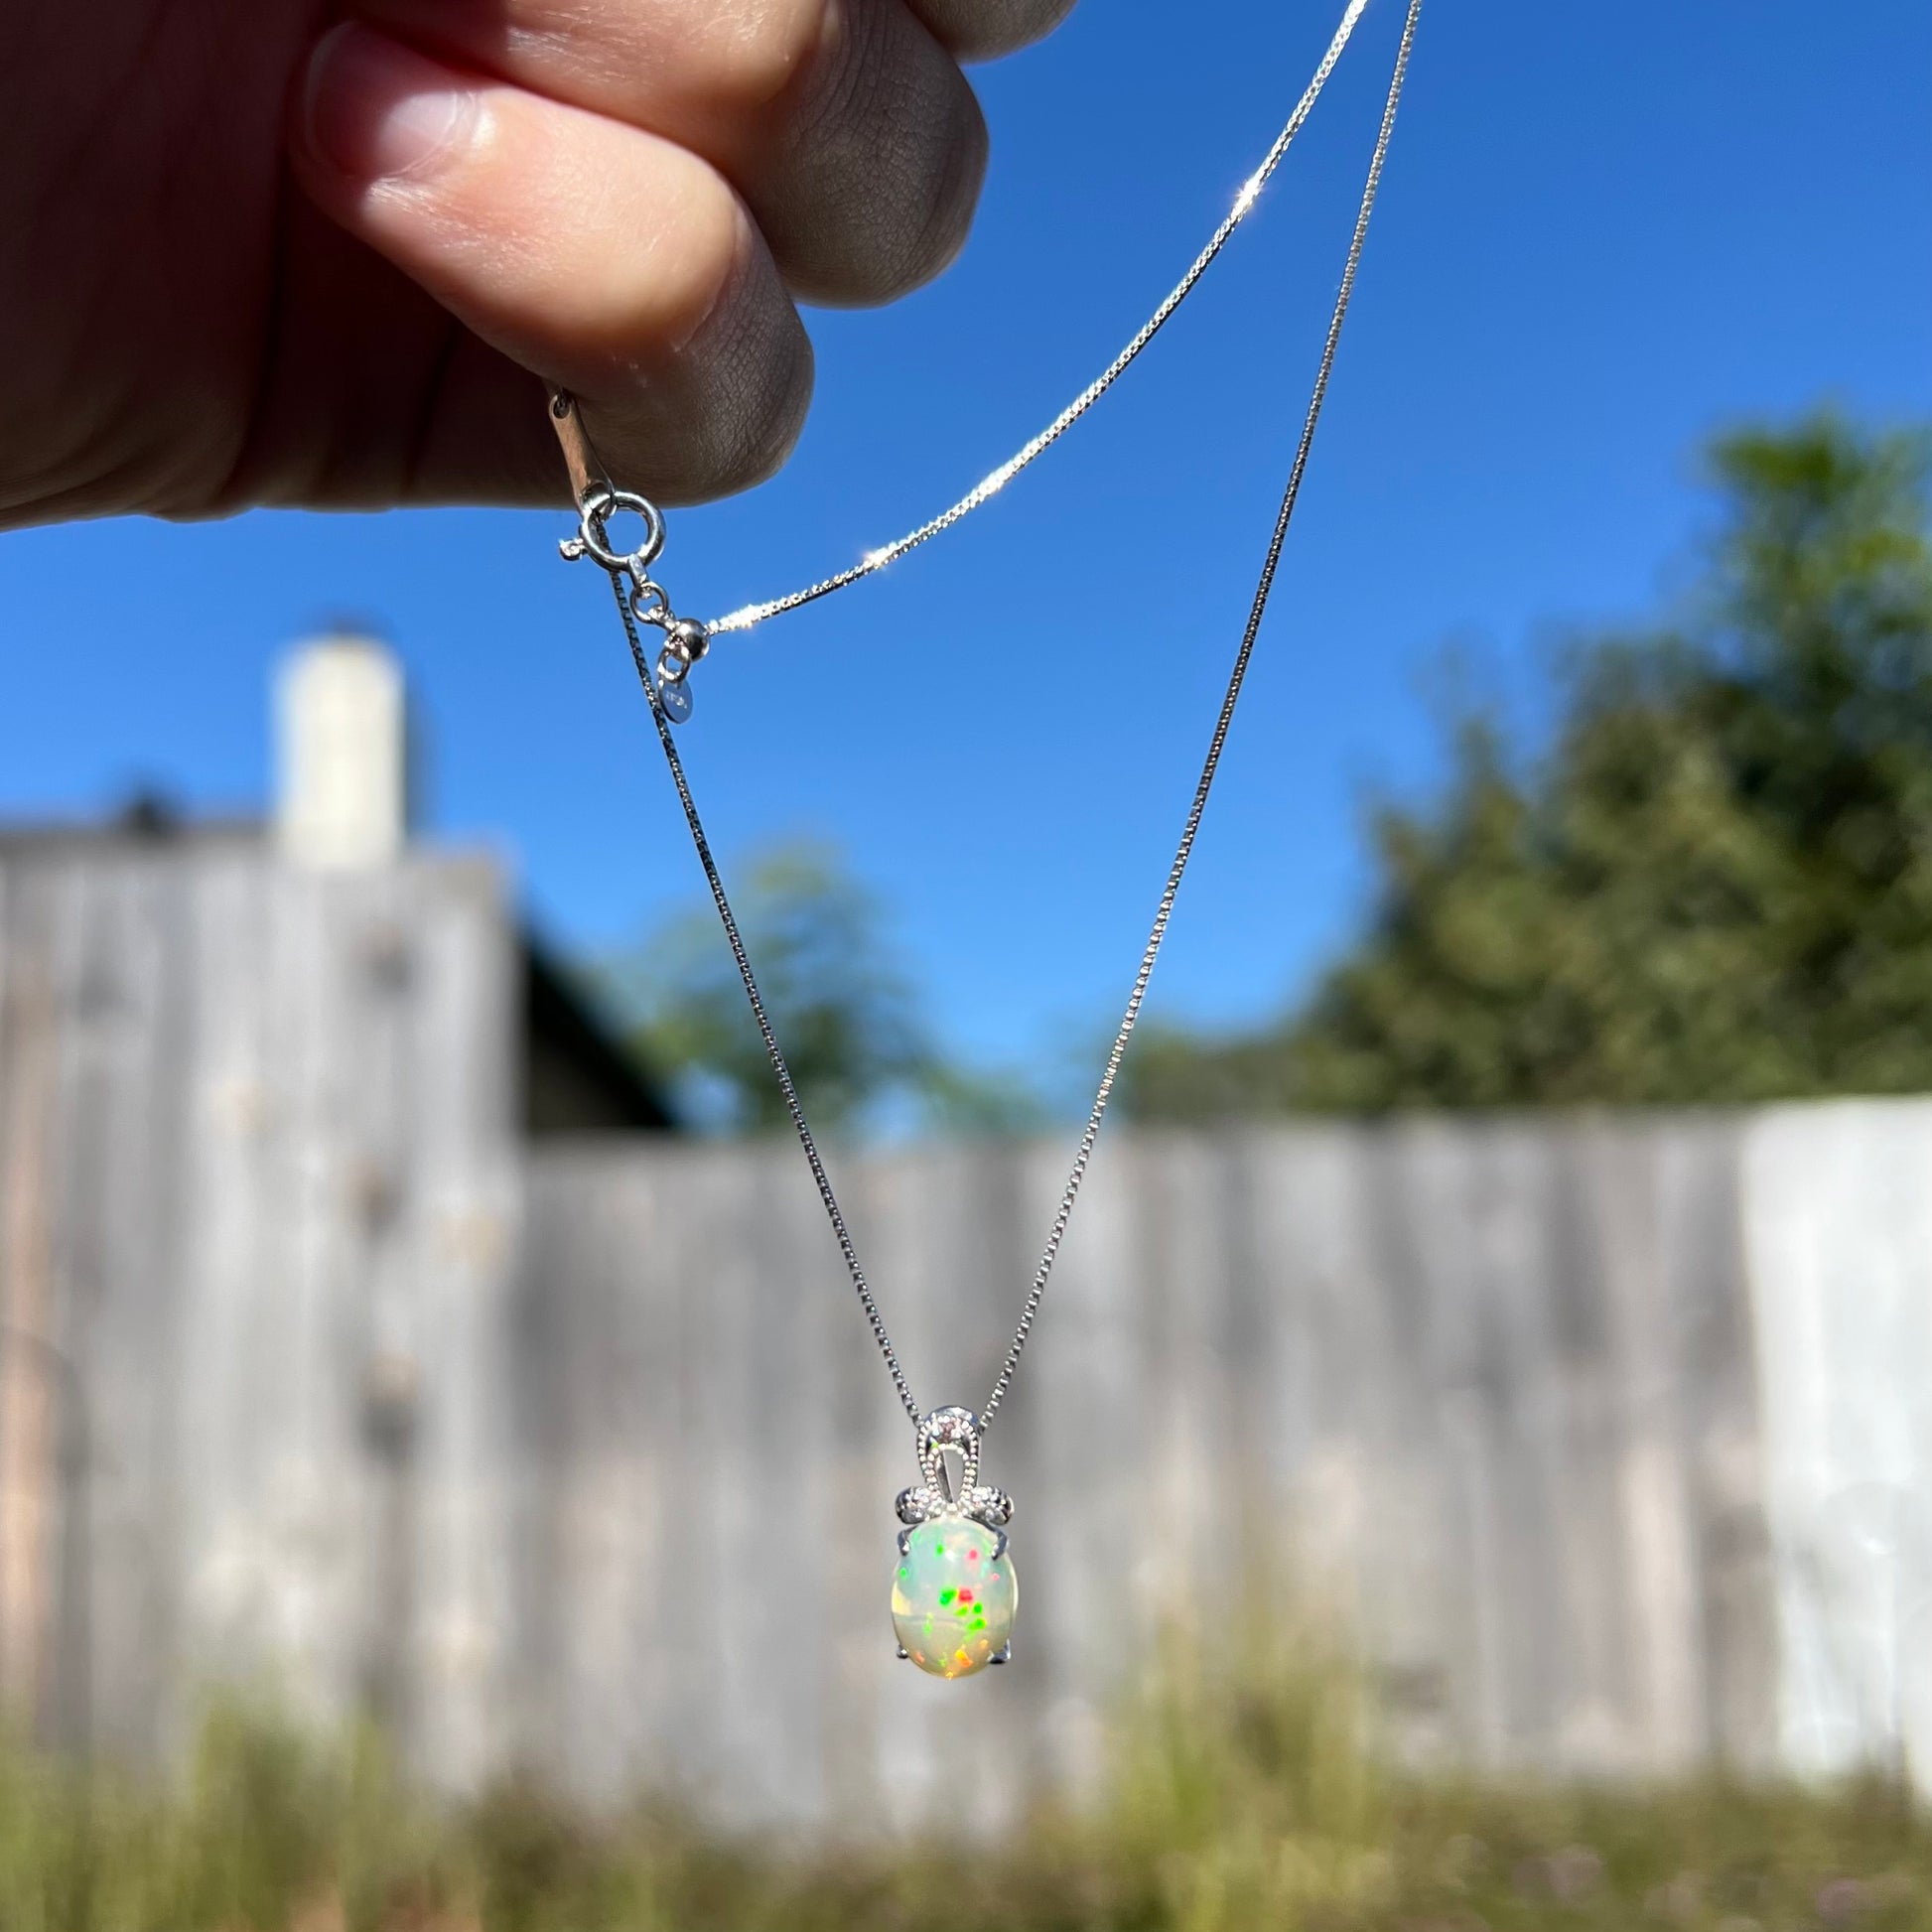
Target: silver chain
<point>647,676</point>
<point>1199,805</point>
<point>596,498</point>
<point>996,481</point>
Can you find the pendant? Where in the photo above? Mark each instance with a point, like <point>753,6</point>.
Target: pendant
<point>955,1592</point>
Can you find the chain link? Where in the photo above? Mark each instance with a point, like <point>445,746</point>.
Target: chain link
<point>1196,808</point>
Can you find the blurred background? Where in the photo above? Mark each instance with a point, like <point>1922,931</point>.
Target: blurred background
<point>1475,1462</point>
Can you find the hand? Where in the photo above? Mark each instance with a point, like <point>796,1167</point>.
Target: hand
<point>251,256</point>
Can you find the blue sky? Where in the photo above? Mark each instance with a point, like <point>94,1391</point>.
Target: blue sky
<point>1604,231</point>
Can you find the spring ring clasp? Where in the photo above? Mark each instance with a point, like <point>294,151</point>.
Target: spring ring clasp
<point>593,538</point>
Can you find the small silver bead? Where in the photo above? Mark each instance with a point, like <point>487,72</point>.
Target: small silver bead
<point>689,638</point>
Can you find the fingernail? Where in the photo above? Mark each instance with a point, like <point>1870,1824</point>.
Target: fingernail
<point>375,111</point>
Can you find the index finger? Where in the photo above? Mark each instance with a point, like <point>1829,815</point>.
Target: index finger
<point>977,30</point>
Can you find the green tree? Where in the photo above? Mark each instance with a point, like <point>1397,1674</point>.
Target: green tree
<point>838,999</point>
<point>1714,885</point>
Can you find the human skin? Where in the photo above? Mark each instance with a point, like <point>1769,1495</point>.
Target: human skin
<point>296,252</point>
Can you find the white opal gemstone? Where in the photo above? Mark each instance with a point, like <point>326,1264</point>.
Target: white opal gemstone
<point>953,1600</point>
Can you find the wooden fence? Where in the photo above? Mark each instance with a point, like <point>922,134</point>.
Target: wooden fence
<point>258,1190</point>
<point>1490,1390</point>
<point>1613,1437</point>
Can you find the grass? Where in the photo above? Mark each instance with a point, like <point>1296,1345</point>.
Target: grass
<point>1238,1801</point>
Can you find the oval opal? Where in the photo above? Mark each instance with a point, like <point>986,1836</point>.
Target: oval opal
<point>952,1600</point>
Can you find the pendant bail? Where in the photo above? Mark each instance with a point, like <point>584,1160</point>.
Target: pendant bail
<point>953,1429</point>
<point>957,1430</point>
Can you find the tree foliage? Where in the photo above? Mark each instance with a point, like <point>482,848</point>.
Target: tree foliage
<point>1714,885</point>
<point>843,1008</point>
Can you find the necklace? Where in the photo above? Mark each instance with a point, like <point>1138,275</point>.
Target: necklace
<point>955,1590</point>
